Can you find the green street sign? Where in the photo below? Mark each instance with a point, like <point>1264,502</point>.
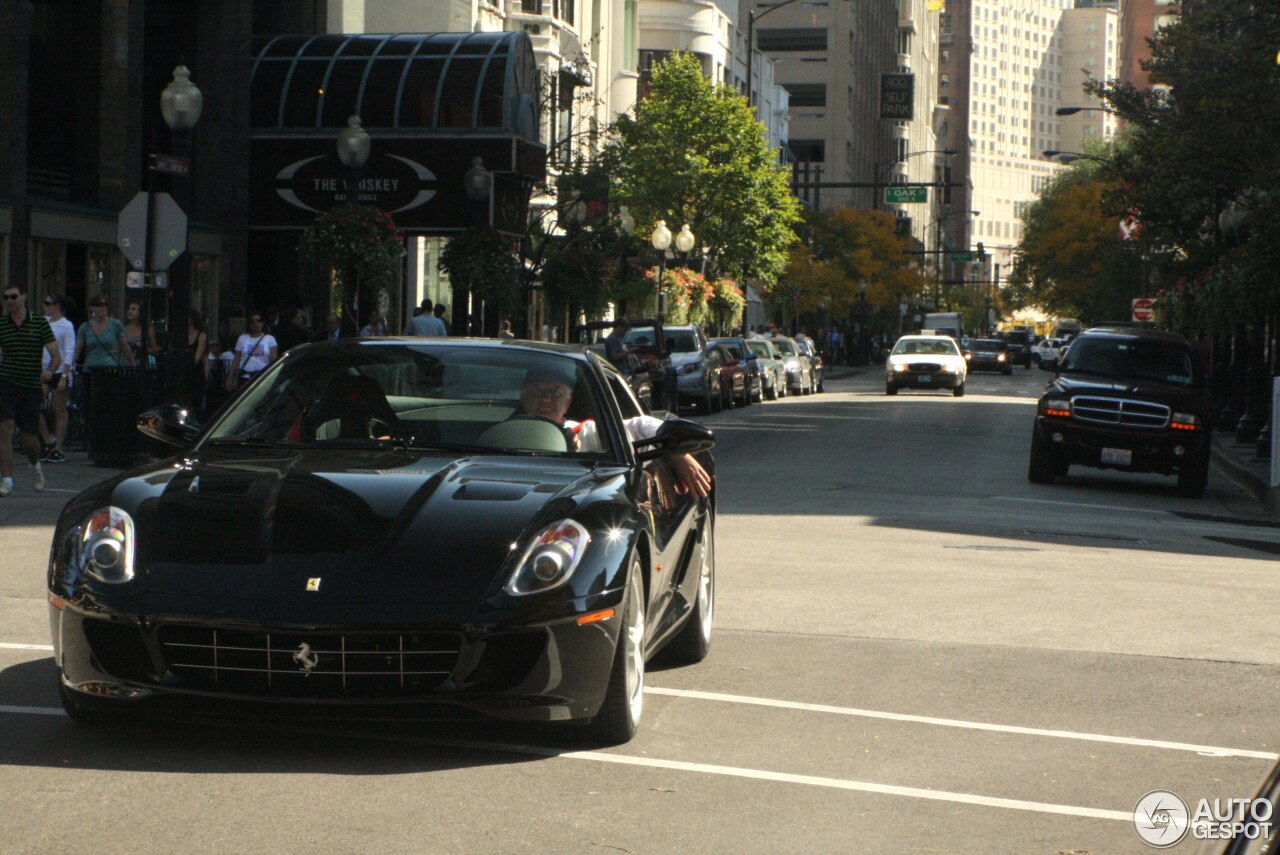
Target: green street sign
<point>962,257</point>
<point>906,195</point>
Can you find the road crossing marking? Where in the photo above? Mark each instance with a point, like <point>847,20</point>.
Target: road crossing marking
<point>727,771</point>
<point>1208,750</point>
<point>10,646</point>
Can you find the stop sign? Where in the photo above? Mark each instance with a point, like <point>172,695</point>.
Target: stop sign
<point>1144,309</point>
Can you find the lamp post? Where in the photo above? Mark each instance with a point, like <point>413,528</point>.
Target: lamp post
<point>353,152</point>
<point>181,104</point>
<point>1071,111</point>
<point>661,240</point>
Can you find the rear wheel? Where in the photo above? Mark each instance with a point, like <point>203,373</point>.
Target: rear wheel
<point>694,640</point>
<point>747,394</point>
<point>1042,468</point>
<point>1193,479</point>
<point>958,391</point>
<point>890,389</point>
<point>619,715</point>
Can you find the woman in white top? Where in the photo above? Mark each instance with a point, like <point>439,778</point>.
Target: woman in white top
<point>255,350</point>
<point>64,332</point>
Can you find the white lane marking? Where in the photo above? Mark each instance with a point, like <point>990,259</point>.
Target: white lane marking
<point>4,708</point>
<point>737,772</point>
<point>10,646</point>
<point>1080,505</point>
<point>970,725</point>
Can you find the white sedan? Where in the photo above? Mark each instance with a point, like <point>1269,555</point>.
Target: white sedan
<point>925,362</point>
<point>1047,348</point>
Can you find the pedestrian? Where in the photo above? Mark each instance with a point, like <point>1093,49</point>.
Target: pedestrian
<point>439,311</point>
<point>374,327</point>
<point>58,390</point>
<point>133,333</point>
<point>254,351</point>
<point>615,348</point>
<point>332,327</point>
<point>198,342</point>
<point>101,341</point>
<point>22,338</point>
<point>425,323</point>
<point>547,393</point>
<point>833,346</point>
<point>294,331</point>
<point>504,330</point>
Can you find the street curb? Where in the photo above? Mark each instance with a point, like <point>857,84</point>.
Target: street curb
<point>1246,477</point>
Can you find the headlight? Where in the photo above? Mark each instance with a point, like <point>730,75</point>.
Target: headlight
<point>1056,407</point>
<point>550,559</point>
<point>1184,421</point>
<point>947,368</point>
<point>1000,357</point>
<point>899,366</point>
<point>105,546</point>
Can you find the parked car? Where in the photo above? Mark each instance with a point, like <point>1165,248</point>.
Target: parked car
<point>810,352</point>
<point>697,375</point>
<point>989,354</point>
<point>373,529</point>
<point>799,369</point>
<point>737,346</point>
<point>645,340</point>
<point>773,369</point>
<point>733,376</point>
<point>638,372</point>
<point>1129,399</point>
<point>925,362</point>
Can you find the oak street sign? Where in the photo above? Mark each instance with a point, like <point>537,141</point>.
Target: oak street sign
<point>905,195</point>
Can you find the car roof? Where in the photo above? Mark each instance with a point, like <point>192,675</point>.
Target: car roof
<point>1143,333</point>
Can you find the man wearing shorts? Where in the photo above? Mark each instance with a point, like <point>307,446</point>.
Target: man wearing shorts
<point>22,338</point>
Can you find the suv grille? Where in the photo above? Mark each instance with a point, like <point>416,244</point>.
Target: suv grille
<point>369,664</point>
<point>1118,411</point>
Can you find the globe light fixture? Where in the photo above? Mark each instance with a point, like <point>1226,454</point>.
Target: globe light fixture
<point>661,237</point>
<point>353,144</point>
<point>181,102</point>
<point>477,180</point>
<point>626,222</point>
<point>685,240</point>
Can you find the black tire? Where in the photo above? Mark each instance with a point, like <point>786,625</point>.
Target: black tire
<point>747,396</point>
<point>771,391</point>
<point>1041,468</point>
<point>821,388</point>
<point>958,391</point>
<point>619,715</point>
<point>717,400</point>
<point>890,389</point>
<point>1193,479</point>
<point>693,642</point>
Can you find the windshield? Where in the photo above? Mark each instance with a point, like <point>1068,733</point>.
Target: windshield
<point>940,346</point>
<point>988,346</point>
<point>731,346</point>
<point>1153,361</point>
<point>430,396</point>
<point>785,347</point>
<point>760,348</point>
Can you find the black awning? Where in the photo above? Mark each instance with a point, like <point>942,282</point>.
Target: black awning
<point>465,82</point>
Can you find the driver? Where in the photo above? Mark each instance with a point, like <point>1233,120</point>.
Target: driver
<point>547,394</point>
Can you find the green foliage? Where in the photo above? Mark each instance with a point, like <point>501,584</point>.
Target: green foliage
<point>482,261</point>
<point>694,153</point>
<point>576,272</point>
<point>359,240</point>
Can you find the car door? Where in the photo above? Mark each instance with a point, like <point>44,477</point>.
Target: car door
<point>673,527</point>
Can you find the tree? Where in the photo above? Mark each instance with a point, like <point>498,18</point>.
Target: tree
<point>483,262</point>
<point>1072,259</point>
<point>694,153</point>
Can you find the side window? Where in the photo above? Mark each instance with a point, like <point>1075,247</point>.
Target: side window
<point>627,403</point>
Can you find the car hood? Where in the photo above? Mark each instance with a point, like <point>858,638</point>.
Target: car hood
<point>1092,384</point>
<point>374,526</point>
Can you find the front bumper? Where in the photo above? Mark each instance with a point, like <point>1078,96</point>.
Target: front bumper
<point>921,380</point>
<point>1081,444</point>
<point>539,665</point>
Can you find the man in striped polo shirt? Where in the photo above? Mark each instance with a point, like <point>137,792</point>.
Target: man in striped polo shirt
<point>22,337</point>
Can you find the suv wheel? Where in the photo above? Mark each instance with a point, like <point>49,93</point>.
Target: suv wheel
<point>1193,478</point>
<point>890,389</point>
<point>1042,468</point>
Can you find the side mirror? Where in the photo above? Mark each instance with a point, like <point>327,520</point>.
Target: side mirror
<point>170,424</point>
<point>675,436</point>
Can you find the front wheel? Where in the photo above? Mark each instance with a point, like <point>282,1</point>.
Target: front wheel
<point>619,715</point>
<point>694,641</point>
<point>1193,479</point>
<point>1042,468</point>
<point>890,389</point>
<point>958,391</point>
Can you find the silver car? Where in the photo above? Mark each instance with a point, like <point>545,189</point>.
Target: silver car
<point>800,376</point>
<point>773,371</point>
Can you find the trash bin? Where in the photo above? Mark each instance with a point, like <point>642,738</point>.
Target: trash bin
<point>111,420</point>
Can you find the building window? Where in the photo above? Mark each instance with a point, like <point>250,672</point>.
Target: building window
<point>807,94</point>
<point>783,40</point>
<point>810,151</point>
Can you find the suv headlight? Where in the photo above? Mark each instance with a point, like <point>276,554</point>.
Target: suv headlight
<point>1056,407</point>
<point>550,559</point>
<point>105,546</point>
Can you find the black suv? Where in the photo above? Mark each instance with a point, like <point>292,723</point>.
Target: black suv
<point>1019,342</point>
<point>1125,398</point>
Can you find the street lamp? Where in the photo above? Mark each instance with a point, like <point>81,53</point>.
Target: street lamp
<point>941,250</point>
<point>626,222</point>
<point>661,240</point>
<point>353,152</point>
<point>1072,156</point>
<point>181,104</point>
<point>1071,111</point>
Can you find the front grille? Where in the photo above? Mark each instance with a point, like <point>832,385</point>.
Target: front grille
<point>1118,411</point>
<point>924,367</point>
<point>309,664</point>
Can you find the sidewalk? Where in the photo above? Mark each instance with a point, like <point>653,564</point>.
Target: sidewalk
<point>1242,465</point>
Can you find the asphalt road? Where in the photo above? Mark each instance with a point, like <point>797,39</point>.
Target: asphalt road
<point>916,650</point>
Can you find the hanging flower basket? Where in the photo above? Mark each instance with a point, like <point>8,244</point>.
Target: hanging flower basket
<point>356,240</point>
